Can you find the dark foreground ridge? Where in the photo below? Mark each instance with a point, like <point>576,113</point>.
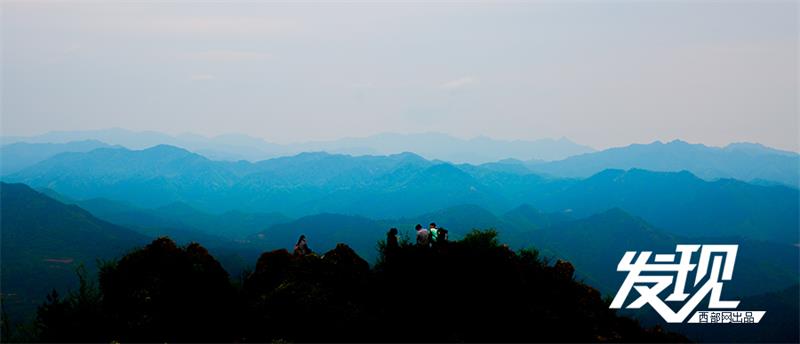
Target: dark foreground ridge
<point>473,290</point>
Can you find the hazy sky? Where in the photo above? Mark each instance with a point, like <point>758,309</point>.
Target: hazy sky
<point>599,73</point>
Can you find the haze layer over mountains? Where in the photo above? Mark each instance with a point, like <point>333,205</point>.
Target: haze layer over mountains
<point>559,158</point>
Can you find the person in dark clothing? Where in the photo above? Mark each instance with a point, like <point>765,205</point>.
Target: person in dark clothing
<point>392,247</point>
<point>301,248</point>
<point>442,237</point>
<point>391,240</point>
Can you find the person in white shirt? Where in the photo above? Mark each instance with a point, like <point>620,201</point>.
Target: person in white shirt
<point>423,236</point>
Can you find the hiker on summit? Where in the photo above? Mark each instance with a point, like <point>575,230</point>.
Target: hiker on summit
<point>434,232</point>
<point>301,248</point>
<point>441,236</point>
<point>392,245</point>
<point>423,236</point>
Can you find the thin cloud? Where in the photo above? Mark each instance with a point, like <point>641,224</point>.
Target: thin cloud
<point>461,82</point>
<point>226,56</point>
<point>212,25</point>
<point>202,77</point>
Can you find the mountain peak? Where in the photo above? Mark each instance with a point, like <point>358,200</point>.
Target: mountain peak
<point>407,156</point>
<point>164,148</point>
<point>678,142</point>
<point>757,148</point>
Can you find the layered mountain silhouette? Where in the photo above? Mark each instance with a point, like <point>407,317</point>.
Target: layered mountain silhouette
<point>686,205</point>
<point>16,156</point>
<point>750,162</point>
<point>44,240</point>
<point>742,161</point>
<point>595,243</point>
<point>406,185</point>
<point>234,147</point>
<point>178,220</point>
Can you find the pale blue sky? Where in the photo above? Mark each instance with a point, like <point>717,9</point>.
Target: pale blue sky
<point>601,73</point>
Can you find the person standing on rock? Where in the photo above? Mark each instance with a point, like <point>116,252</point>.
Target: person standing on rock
<point>392,245</point>
<point>434,232</point>
<point>423,236</point>
<point>301,248</point>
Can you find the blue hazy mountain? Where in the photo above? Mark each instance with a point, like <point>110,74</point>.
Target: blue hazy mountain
<point>156,176</point>
<point>44,240</point>
<point>234,147</point>
<point>224,147</point>
<point>444,147</point>
<point>685,204</point>
<point>39,230</point>
<point>16,156</point>
<point>595,243</point>
<point>361,233</point>
<point>406,185</point>
<point>742,161</point>
<point>765,276</point>
<point>179,221</point>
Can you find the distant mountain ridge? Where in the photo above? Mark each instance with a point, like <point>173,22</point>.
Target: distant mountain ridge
<point>234,147</point>
<point>406,185</point>
<point>742,161</point>
<point>179,221</point>
<point>16,156</point>
<point>750,162</point>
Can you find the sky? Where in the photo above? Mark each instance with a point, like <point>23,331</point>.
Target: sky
<point>600,73</point>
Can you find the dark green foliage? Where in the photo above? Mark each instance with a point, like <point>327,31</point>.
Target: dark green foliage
<point>74,318</point>
<point>478,290</point>
<point>168,293</point>
<point>310,298</point>
<point>466,291</point>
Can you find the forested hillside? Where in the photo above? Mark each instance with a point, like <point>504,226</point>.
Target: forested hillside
<point>473,290</point>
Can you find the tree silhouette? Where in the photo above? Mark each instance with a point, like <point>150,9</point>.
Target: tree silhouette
<point>473,290</point>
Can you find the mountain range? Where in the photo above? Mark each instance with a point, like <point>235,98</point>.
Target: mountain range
<point>234,147</point>
<point>743,161</point>
<point>407,185</point>
<point>750,162</point>
<point>179,221</point>
<point>44,240</point>
<point>16,156</point>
